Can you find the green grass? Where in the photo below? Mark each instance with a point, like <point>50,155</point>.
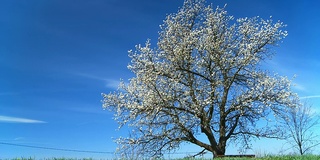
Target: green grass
<point>291,157</point>
<point>287,157</point>
<point>30,158</point>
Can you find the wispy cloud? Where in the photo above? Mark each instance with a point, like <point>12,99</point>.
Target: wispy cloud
<point>110,83</point>
<point>90,76</point>
<point>308,97</point>
<point>8,119</point>
<point>18,138</point>
<point>298,87</point>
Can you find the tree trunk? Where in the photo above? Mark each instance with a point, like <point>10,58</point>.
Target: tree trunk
<point>300,147</point>
<point>220,150</point>
<point>218,153</point>
<point>300,150</point>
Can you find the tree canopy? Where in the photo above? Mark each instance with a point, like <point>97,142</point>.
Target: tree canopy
<point>203,78</point>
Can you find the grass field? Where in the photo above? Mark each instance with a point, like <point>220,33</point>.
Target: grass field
<point>288,157</point>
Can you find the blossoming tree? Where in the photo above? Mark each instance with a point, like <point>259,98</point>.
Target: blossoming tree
<point>202,80</point>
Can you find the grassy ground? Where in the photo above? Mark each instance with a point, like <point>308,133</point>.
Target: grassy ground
<point>288,157</point>
<point>307,157</point>
<point>49,159</point>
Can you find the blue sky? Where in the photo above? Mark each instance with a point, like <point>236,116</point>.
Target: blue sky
<point>58,56</point>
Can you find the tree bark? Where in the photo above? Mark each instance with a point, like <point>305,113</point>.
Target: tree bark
<point>219,152</point>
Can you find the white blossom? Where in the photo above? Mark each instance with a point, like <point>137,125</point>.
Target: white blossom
<point>202,78</point>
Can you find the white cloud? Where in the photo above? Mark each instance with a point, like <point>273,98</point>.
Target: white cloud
<point>90,76</point>
<point>110,83</point>
<point>308,97</point>
<point>114,84</point>
<point>19,138</point>
<point>298,87</point>
<point>7,119</point>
